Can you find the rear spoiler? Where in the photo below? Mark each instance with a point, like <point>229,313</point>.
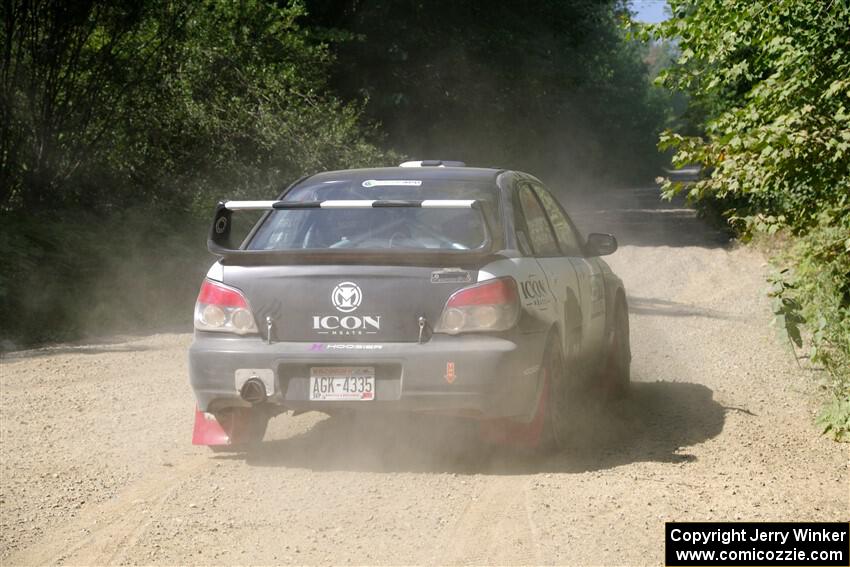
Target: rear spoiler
<point>219,242</point>
<point>350,204</point>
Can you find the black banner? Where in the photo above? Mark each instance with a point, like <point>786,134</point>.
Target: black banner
<point>815,544</point>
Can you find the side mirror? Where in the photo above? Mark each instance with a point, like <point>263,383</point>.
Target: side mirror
<point>599,244</point>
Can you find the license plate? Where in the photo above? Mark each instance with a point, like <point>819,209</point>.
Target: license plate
<point>342,383</point>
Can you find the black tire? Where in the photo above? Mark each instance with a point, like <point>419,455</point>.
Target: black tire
<point>617,373</point>
<point>559,425</point>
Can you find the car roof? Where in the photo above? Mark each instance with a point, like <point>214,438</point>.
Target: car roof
<point>424,173</point>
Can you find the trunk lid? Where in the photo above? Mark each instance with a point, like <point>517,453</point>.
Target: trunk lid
<point>347,303</point>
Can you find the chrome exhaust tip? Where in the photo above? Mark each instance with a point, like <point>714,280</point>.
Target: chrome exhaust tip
<point>253,391</point>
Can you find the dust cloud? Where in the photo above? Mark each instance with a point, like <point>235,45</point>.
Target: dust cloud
<point>717,426</point>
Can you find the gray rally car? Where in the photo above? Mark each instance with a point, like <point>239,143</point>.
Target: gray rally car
<point>430,287</point>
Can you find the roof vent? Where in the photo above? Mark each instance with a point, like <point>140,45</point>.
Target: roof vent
<point>433,163</point>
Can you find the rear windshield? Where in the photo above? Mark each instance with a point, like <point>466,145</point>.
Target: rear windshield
<point>381,228</point>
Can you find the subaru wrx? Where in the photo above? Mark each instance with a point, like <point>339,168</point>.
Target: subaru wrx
<point>431,288</point>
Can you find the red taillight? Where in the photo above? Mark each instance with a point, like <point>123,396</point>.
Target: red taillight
<point>224,309</point>
<point>216,294</point>
<point>496,292</point>
<point>489,306</point>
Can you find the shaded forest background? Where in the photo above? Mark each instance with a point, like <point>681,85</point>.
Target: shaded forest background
<point>123,123</point>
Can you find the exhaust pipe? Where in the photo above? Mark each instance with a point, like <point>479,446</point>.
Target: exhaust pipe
<point>253,391</point>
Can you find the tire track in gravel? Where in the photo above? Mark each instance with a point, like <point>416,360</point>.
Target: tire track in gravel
<point>102,535</point>
<point>496,527</point>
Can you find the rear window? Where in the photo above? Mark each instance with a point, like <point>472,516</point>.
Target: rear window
<point>399,228</point>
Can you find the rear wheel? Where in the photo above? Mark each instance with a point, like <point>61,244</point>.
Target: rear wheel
<point>617,369</point>
<point>559,424</point>
<point>551,426</point>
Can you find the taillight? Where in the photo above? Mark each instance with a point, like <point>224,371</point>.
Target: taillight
<point>488,306</point>
<point>223,308</point>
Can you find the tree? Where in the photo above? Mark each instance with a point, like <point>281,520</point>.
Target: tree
<point>162,101</point>
<point>70,72</point>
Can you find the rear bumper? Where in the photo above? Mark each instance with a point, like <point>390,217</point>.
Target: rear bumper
<point>493,376</point>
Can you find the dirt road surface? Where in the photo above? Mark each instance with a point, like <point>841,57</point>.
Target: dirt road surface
<point>97,467</point>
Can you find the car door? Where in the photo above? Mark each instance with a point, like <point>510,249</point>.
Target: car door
<point>589,274</point>
<point>536,229</point>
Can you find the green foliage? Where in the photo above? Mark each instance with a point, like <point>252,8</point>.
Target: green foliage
<point>835,420</point>
<point>786,309</point>
<point>246,110</point>
<point>167,102</point>
<point>817,291</point>
<point>773,77</point>
<point>776,76</point>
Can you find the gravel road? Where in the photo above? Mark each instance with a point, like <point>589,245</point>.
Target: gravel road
<point>97,466</point>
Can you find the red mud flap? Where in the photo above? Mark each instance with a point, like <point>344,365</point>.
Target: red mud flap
<point>237,426</point>
<point>208,431</point>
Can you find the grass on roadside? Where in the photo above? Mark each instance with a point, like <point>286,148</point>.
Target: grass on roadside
<point>811,304</point>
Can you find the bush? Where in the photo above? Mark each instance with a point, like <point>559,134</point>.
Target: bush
<point>774,81</point>
<point>815,292</point>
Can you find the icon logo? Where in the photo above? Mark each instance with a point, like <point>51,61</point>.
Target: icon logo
<point>346,297</point>
<point>534,292</point>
